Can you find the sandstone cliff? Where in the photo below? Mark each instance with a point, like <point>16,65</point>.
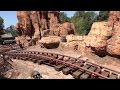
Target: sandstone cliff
<point>103,38</point>
<point>113,44</point>
<point>37,24</point>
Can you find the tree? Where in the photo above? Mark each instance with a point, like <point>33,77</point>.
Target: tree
<point>11,29</point>
<point>103,16</point>
<point>1,25</point>
<point>83,21</point>
<point>63,17</point>
<point>80,26</point>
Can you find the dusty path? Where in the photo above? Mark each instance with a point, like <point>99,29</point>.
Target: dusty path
<point>25,68</point>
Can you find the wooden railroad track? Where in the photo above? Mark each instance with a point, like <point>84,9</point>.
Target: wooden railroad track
<point>78,68</point>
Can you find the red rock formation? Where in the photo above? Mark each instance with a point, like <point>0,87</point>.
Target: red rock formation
<point>99,34</point>
<point>53,18</point>
<point>24,23</point>
<point>36,24</point>
<point>23,27</point>
<point>114,18</point>
<point>107,34</point>
<point>113,44</point>
<point>58,29</point>
<point>44,20</point>
<point>104,37</point>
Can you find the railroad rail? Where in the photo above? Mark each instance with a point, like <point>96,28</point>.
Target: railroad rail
<point>77,67</point>
<point>5,48</point>
<point>5,65</point>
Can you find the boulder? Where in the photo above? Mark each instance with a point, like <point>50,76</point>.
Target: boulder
<point>50,42</point>
<point>113,47</point>
<point>100,29</point>
<point>99,34</point>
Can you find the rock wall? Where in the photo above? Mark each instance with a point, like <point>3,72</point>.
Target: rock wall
<point>37,24</point>
<point>103,38</point>
<point>113,47</point>
<point>99,34</point>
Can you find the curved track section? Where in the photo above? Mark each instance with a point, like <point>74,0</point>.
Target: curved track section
<point>78,68</point>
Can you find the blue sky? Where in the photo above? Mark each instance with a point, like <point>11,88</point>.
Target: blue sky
<point>11,19</point>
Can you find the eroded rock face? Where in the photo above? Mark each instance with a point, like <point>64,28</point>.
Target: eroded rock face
<point>53,18</point>
<point>57,28</point>
<point>100,29</point>
<point>103,38</point>
<point>113,47</point>
<point>107,35</point>
<point>114,18</point>
<point>99,34</point>
<point>96,39</point>
<point>27,26</point>
<point>37,24</point>
<point>24,24</point>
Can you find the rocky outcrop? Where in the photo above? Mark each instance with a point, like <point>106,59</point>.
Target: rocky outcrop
<point>113,47</point>
<point>23,26</point>
<point>107,35</point>
<point>53,18</point>
<point>99,34</point>
<point>37,24</point>
<point>57,28</point>
<point>99,39</point>
<point>114,18</point>
<point>27,26</point>
<point>100,29</point>
<point>103,37</point>
<point>96,39</point>
<point>63,29</point>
